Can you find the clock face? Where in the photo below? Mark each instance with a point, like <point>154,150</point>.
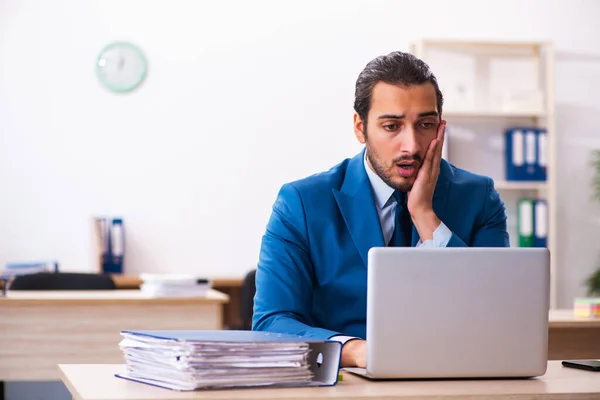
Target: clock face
<point>121,67</point>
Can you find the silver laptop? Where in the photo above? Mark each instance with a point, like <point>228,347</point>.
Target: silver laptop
<point>457,313</point>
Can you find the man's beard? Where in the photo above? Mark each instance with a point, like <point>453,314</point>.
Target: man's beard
<point>385,174</point>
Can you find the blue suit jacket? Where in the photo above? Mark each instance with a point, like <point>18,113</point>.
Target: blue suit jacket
<point>312,271</point>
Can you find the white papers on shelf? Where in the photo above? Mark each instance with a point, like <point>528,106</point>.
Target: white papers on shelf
<point>173,285</point>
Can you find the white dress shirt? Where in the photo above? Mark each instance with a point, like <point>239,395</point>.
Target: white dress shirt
<point>386,209</point>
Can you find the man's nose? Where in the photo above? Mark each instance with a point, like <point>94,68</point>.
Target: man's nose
<point>408,141</point>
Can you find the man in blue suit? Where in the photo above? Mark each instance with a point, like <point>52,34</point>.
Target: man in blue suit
<point>312,271</point>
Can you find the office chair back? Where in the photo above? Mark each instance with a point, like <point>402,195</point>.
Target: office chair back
<point>247,299</point>
<point>62,281</point>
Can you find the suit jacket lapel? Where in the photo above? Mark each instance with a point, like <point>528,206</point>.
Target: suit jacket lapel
<point>357,206</point>
<point>356,203</point>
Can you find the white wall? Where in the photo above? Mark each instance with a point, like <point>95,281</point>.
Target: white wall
<point>241,96</point>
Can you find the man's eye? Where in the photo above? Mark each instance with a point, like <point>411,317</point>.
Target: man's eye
<point>427,125</point>
<point>390,127</point>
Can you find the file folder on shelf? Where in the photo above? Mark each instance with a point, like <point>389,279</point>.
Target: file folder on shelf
<point>196,360</point>
<point>541,155</point>
<point>540,218</point>
<point>102,236</point>
<point>525,222</point>
<point>117,243</point>
<point>111,244</point>
<point>532,221</point>
<point>526,157</point>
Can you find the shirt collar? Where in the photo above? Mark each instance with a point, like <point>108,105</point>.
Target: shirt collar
<point>381,191</point>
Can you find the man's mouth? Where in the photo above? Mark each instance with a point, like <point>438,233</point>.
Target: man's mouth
<point>406,169</point>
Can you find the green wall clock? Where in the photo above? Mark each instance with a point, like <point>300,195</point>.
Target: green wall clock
<point>121,67</point>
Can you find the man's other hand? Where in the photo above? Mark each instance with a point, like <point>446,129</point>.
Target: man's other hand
<point>354,353</point>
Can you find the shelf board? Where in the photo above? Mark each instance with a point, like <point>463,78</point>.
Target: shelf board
<point>520,185</point>
<point>482,43</point>
<point>490,114</point>
<point>500,49</point>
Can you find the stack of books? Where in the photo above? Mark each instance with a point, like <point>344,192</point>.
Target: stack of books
<point>192,360</point>
<point>174,285</point>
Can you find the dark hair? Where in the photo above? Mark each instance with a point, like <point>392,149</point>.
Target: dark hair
<point>397,68</point>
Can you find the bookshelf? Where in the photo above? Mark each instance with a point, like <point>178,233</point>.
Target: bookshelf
<point>491,114</point>
<point>521,185</point>
<point>490,87</point>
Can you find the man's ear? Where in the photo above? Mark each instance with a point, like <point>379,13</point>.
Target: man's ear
<point>359,127</point>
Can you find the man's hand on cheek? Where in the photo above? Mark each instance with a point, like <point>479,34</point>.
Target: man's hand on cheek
<point>421,195</point>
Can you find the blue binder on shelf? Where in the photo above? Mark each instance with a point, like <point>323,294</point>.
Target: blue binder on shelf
<point>111,244</point>
<point>207,359</point>
<point>541,155</point>
<point>526,154</point>
<point>117,246</point>
<point>540,217</point>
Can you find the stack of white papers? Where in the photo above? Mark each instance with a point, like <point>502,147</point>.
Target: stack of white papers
<point>190,360</point>
<point>173,285</point>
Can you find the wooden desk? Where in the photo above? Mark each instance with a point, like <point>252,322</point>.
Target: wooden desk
<point>95,382</point>
<point>570,337</point>
<point>40,329</point>
<point>229,286</point>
